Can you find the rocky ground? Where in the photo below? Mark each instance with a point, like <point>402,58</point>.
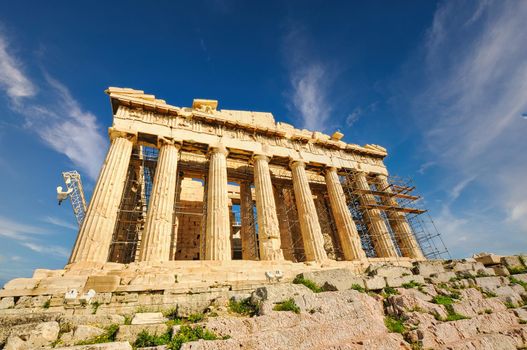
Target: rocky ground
<point>461,304</point>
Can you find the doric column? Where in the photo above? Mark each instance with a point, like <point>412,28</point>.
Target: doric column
<point>95,235</point>
<point>268,229</point>
<point>248,230</point>
<point>307,214</point>
<point>157,234</point>
<point>286,240</point>
<point>379,234</point>
<point>218,231</point>
<point>403,233</point>
<point>348,235</point>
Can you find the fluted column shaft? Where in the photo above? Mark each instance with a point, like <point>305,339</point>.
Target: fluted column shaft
<point>286,240</point>
<point>307,214</point>
<point>156,240</point>
<point>403,232</point>
<point>248,231</point>
<point>348,235</point>
<point>268,229</point>
<point>95,235</point>
<point>380,236</point>
<point>218,231</point>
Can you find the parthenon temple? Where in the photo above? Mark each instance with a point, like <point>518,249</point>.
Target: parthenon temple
<point>200,183</point>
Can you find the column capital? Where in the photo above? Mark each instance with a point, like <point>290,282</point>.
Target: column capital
<point>114,133</point>
<point>162,141</point>
<point>294,163</point>
<point>218,149</point>
<point>261,156</point>
<point>331,169</point>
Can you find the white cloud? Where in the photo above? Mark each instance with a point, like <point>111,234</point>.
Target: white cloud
<point>61,223</point>
<point>12,79</point>
<point>54,250</point>
<point>54,115</point>
<point>15,230</point>
<point>353,117</point>
<point>470,107</point>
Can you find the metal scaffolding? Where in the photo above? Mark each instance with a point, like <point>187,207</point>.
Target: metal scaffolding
<point>397,205</point>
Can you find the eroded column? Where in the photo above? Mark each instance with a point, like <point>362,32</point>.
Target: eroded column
<point>377,229</point>
<point>248,230</point>
<point>95,234</point>
<point>157,234</point>
<point>402,231</point>
<point>348,235</point>
<point>307,214</point>
<point>218,231</point>
<point>286,239</point>
<point>268,229</point>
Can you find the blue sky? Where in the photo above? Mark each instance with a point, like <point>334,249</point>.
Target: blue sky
<point>442,85</point>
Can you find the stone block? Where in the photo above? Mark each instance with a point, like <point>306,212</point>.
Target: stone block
<point>488,259</point>
<point>521,276</point>
<point>512,261</point>
<point>130,332</point>
<point>467,266</point>
<point>81,333</point>
<point>500,270</point>
<point>124,297</point>
<point>490,284</point>
<point>278,292</point>
<point>430,267</point>
<point>93,320</point>
<point>521,313</point>
<point>154,280</point>
<point>374,283</point>
<point>44,273</point>
<point>442,277</point>
<point>7,303</point>
<point>388,271</point>
<point>399,281</point>
<point>102,283</point>
<point>124,345</point>
<point>52,285</point>
<point>149,318</point>
<point>21,283</point>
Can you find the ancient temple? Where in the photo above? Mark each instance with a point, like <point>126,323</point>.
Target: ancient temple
<point>200,183</point>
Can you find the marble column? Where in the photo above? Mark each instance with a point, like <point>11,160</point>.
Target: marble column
<point>95,235</point>
<point>157,234</point>
<point>286,239</point>
<point>248,229</point>
<point>348,235</point>
<point>268,229</point>
<point>402,231</point>
<point>307,214</point>
<point>218,231</point>
<point>377,229</point>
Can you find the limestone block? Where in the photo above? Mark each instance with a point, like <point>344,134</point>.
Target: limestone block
<point>509,295</point>
<point>81,333</point>
<point>15,343</point>
<point>43,334</point>
<point>29,302</point>
<point>500,270</point>
<point>388,271</point>
<point>466,266</point>
<point>473,303</point>
<point>44,273</point>
<point>92,320</point>
<point>522,277</point>
<point>442,277</point>
<point>102,283</point>
<point>21,283</point>
<point>334,279</point>
<point>487,271</point>
<point>278,292</point>
<point>7,303</point>
<point>513,261</point>
<point>124,298</point>
<point>521,313</point>
<point>127,332</point>
<point>429,267</point>
<point>153,280</point>
<point>490,284</point>
<point>54,284</point>
<point>374,283</point>
<point>399,281</point>
<point>488,259</point>
<point>124,345</point>
<point>400,304</point>
<point>149,318</point>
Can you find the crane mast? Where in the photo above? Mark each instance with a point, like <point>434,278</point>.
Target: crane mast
<point>75,192</point>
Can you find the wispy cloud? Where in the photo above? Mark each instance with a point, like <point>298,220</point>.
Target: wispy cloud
<point>310,80</point>
<point>55,250</point>
<point>470,106</point>
<point>61,223</point>
<point>53,114</point>
<point>12,79</point>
